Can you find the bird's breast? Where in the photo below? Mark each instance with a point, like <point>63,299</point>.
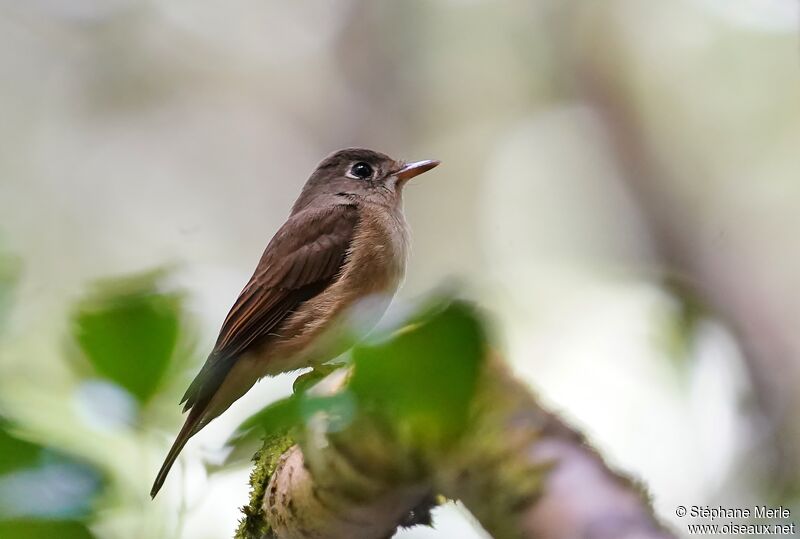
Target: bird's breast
<point>379,251</point>
<point>372,271</point>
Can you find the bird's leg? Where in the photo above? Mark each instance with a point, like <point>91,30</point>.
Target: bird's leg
<point>308,379</point>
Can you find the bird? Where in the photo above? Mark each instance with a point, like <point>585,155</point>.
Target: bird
<point>346,239</point>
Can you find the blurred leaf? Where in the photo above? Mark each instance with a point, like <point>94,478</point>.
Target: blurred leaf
<point>338,409</point>
<point>424,378</point>
<point>280,417</point>
<point>128,330</point>
<point>42,493</point>
<point>273,420</point>
<point>44,529</point>
<point>58,487</point>
<point>16,453</point>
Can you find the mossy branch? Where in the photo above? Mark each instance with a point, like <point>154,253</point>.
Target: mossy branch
<point>253,524</point>
<point>520,470</point>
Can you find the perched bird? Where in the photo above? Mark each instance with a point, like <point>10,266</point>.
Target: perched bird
<point>345,239</point>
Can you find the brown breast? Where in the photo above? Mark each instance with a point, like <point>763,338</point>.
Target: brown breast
<point>374,268</point>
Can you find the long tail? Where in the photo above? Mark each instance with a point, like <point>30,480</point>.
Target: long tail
<point>187,431</point>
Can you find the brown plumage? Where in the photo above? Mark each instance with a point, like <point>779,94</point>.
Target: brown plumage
<point>345,239</point>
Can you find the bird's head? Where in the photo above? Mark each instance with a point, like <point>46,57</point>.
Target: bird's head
<point>360,173</point>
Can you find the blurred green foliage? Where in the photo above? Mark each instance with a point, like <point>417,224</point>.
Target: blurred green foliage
<point>420,380</point>
<point>16,453</point>
<point>277,419</point>
<point>43,494</point>
<point>128,330</point>
<point>44,529</point>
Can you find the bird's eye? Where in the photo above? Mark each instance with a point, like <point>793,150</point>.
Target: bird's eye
<point>361,170</point>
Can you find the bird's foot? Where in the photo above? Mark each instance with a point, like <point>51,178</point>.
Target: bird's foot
<point>306,380</point>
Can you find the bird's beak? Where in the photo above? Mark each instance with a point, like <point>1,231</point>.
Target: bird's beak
<point>410,170</point>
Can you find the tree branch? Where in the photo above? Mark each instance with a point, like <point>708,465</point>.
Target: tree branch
<point>518,468</point>
<point>732,278</point>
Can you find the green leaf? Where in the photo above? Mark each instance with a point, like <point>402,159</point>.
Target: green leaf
<point>424,378</point>
<point>280,417</point>
<point>421,379</point>
<point>338,409</point>
<point>128,330</point>
<point>16,453</point>
<point>273,420</point>
<point>44,529</point>
<point>37,483</point>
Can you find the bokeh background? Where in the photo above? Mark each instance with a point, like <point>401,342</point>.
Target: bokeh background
<point>620,189</point>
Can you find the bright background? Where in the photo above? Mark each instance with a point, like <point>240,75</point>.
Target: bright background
<point>620,188</point>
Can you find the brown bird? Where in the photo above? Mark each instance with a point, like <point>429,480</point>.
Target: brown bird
<point>345,239</point>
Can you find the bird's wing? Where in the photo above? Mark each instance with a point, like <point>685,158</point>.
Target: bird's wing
<point>303,258</point>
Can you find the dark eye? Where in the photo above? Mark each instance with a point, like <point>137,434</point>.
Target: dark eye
<point>361,170</point>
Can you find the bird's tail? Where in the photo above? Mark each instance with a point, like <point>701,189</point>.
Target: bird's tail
<point>190,427</point>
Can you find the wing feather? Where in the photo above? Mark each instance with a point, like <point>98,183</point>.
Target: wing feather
<point>304,257</point>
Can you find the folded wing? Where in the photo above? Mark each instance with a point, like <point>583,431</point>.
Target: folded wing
<point>305,257</point>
